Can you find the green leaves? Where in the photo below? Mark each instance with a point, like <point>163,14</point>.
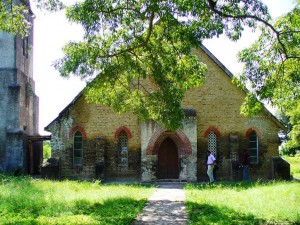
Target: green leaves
<point>149,81</point>
<point>272,67</point>
<point>294,135</point>
<point>138,53</point>
<point>14,18</point>
<point>251,106</point>
<point>49,5</point>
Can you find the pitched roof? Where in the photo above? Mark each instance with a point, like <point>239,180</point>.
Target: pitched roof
<point>202,47</point>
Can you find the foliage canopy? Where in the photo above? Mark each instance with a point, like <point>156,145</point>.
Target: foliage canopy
<point>272,68</point>
<point>126,42</point>
<point>14,18</point>
<point>129,41</point>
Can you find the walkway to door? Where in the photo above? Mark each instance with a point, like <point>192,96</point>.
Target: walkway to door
<point>165,206</point>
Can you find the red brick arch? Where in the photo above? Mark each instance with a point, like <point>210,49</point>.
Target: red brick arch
<point>180,139</point>
<point>214,129</point>
<point>257,131</point>
<point>125,129</point>
<point>80,129</point>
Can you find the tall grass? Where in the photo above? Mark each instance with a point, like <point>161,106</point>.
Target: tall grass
<point>24,200</point>
<point>294,162</point>
<point>244,203</point>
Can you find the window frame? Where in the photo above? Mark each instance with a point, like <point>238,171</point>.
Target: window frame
<point>75,149</point>
<point>123,150</point>
<point>25,46</point>
<point>214,152</point>
<point>255,149</point>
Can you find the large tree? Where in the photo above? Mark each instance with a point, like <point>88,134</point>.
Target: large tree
<point>272,69</point>
<point>128,41</point>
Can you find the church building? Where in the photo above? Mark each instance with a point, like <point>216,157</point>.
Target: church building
<point>92,142</point>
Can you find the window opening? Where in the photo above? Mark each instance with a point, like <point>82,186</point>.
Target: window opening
<point>25,47</point>
<point>253,148</point>
<point>78,148</point>
<point>212,142</point>
<point>123,150</point>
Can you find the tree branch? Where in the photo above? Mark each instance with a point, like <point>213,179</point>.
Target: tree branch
<point>212,5</point>
<point>149,32</point>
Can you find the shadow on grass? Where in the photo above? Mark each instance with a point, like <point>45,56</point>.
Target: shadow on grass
<point>22,203</point>
<point>208,214</point>
<point>113,211</point>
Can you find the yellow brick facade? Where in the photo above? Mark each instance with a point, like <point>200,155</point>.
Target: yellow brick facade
<point>217,105</point>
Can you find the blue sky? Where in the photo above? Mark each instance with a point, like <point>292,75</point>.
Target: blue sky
<point>52,31</point>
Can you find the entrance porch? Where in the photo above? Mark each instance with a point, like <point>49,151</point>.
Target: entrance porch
<point>169,155</point>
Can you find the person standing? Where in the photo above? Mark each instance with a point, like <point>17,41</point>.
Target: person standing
<point>245,164</point>
<point>210,166</point>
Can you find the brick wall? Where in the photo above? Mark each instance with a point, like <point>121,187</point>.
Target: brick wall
<point>100,126</point>
<point>217,104</point>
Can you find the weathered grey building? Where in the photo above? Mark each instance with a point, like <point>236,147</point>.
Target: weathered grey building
<point>18,102</point>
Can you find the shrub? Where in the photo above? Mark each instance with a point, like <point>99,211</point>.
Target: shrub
<point>47,150</point>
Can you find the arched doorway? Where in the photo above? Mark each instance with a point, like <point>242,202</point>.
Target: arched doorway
<point>168,163</point>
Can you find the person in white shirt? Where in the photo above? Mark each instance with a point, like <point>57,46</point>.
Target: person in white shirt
<point>210,166</point>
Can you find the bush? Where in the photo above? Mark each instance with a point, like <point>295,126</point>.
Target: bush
<point>47,150</point>
<point>288,151</point>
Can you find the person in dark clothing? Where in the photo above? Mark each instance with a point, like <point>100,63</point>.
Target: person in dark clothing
<point>245,165</point>
<point>216,167</point>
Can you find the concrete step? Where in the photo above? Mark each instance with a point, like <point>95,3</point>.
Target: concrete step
<point>170,181</point>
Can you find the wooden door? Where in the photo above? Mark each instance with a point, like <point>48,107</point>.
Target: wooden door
<point>168,163</point>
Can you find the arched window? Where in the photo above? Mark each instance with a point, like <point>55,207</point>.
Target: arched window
<point>253,147</point>
<point>123,149</point>
<point>212,142</point>
<point>78,148</point>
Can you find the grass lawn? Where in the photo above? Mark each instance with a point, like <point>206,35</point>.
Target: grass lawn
<point>24,200</point>
<point>244,203</point>
<point>295,165</point>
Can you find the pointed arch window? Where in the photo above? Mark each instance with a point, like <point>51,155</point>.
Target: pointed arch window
<point>212,142</point>
<point>123,149</point>
<point>78,148</point>
<point>253,147</point>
